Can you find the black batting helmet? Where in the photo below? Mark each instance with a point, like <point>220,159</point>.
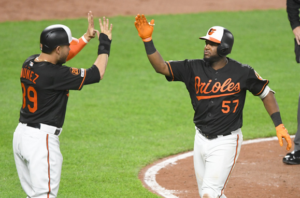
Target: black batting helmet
<point>53,36</point>
<point>221,35</point>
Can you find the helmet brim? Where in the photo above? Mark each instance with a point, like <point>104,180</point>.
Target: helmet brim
<point>209,38</point>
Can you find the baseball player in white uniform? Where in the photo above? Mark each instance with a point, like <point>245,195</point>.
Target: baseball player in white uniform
<point>217,86</point>
<point>45,85</point>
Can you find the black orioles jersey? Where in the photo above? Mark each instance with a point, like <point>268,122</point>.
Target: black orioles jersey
<point>45,88</point>
<point>217,96</point>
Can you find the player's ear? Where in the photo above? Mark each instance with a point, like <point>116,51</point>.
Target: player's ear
<point>58,50</point>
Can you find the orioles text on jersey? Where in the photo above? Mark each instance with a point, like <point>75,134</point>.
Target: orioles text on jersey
<point>225,89</point>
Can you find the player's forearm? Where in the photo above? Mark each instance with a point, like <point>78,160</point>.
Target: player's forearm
<point>156,59</point>
<point>75,48</point>
<point>158,63</point>
<point>87,37</point>
<point>103,53</point>
<point>270,103</point>
<point>272,108</point>
<point>101,64</point>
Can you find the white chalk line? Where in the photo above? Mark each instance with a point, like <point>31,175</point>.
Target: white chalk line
<point>150,175</point>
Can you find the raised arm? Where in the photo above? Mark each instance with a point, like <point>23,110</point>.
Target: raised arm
<point>145,30</point>
<point>105,38</point>
<point>77,46</point>
<point>272,108</point>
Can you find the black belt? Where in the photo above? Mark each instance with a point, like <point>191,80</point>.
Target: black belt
<point>38,126</point>
<point>210,137</point>
<point>34,125</point>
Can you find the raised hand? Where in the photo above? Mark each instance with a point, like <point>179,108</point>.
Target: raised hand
<point>91,32</point>
<point>105,28</point>
<point>144,28</point>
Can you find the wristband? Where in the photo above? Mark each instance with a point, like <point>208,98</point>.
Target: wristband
<point>149,46</point>
<point>104,45</point>
<point>83,38</point>
<point>276,118</point>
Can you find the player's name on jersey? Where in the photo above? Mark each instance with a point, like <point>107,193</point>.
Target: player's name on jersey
<point>29,75</point>
<point>218,88</point>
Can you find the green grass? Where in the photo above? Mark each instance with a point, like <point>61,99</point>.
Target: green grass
<point>134,116</point>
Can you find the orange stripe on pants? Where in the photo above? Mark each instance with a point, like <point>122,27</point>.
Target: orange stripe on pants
<point>47,137</point>
<point>236,151</point>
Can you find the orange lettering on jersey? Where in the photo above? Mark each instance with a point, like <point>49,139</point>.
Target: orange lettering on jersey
<point>237,87</point>
<point>207,87</point>
<point>36,77</point>
<point>230,87</point>
<point>216,87</point>
<point>29,75</point>
<point>225,84</point>
<point>24,72</point>
<point>225,89</point>
<point>202,87</point>
<point>198,85</point>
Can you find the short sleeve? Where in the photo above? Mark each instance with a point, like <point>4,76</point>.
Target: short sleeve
<point>179,70</point>
<point>255,83</point>
<point>92,75</point>
<point>69,78</point>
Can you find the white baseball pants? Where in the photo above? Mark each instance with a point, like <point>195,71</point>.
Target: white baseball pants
<point>38,160</point>
<point>214,161</point>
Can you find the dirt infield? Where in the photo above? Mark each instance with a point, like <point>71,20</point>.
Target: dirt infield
<point>259,171</point>
<point>18,10</point>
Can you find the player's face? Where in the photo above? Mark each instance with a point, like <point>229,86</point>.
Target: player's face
<point>210,51</point>
<point>64,52</point>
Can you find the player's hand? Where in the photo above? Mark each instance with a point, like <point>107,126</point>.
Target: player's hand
<point>144,28</point>
<point>282,132</point>
<point>105,28</point>
<point>91,32</point>
<point>296,32</point>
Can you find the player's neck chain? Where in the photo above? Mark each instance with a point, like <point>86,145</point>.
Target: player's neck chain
<point>37,58</point>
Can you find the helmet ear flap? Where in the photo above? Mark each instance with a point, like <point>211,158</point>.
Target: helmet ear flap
<point>223,49</point>
<point>226,43</point>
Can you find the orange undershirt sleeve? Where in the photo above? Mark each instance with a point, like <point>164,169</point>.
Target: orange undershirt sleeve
<point>76,47</point>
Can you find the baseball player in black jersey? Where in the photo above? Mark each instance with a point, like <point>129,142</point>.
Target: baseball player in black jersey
<point>45,85</point>
<point>217,86</point>
<point>292,8</point>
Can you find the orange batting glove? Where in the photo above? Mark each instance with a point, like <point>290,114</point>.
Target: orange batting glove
<point>144,28</point>
<point>282,132</point>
